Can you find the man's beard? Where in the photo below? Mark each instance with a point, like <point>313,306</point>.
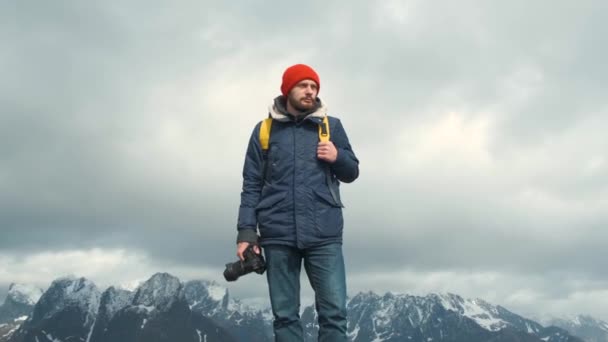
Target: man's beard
<point>301,107</point>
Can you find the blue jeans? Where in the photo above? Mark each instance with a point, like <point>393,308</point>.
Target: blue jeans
<point>325,269</point>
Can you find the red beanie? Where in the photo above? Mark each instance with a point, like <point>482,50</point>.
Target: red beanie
<point>297,73</point>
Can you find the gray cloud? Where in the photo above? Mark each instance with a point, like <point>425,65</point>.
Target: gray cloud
<point>478,127</point>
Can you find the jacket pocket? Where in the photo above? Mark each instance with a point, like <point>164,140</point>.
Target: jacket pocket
<point>271,199</point>
<point>327,215</point>
<point>272,215</point>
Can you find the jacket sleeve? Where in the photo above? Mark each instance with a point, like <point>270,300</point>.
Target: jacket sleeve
<point>252,187</point>
<point>346,166</point>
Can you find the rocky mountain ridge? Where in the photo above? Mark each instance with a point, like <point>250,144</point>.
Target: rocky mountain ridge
<point>166,309</point>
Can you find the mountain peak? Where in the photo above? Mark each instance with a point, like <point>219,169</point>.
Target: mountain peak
<point>70,291</point>
<point>66,297</point>
<point>160,291</point>
<point>23,293</point>
<point>585,326</point>
<point>72,284</point>
<point>363,296</point>
<point>213,290</point>
<point>130,285</point>
<point>583,320</point>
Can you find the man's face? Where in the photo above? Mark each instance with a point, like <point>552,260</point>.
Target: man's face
<point>303,95</point>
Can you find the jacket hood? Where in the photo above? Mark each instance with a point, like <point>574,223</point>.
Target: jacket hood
<point>278,111</point>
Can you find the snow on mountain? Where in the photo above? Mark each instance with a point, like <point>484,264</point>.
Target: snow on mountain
<point>206,296</point>
<point>245,321</point>
<point>159,311</point>
<point>20,301</point>
<point>113,300</point>
<point>158,292</point>
<point>216,291</point>
<point>67,309</point>
<point>7,330</point>
<point>26,294</point>
<point>258,304</point>
<point>73,307</point>
<point>445,317</point>
<point>130,286</point>
<point>214,300</point>
<point>253,306</point>
<point>483,313</point>
<point>156,311</point>
<point>69,291</point>
<point>17,308</point>
<point>587,327</point>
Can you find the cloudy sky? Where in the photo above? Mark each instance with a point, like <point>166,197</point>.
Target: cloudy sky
<point>478,125</point>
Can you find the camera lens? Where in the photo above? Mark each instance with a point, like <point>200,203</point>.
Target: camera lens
<point>233,271</point>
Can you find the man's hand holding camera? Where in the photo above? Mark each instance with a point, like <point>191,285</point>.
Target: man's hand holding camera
<point>250,260</point>
<point>242,246</point>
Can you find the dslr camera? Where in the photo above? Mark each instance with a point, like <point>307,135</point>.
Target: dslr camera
<point>253,263</point>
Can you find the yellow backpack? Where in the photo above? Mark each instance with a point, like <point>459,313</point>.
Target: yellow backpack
<point>267,125</point>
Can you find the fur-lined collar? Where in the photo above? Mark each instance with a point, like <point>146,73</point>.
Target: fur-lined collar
<point>278,111</point>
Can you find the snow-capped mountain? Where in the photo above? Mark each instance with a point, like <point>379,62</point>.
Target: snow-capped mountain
<point>112,300</point>
<point>19,302</point>
<point>586,327</point>
<point>23,293</point>
<point>156,311</point>
<point>158,293</point>
<point>66,310</point>
<point>245,323</point>
<point>205,296</point>
<point>399,317</point>
<point>73,309</point>
<point>165,309</point>
<point>17,307</point>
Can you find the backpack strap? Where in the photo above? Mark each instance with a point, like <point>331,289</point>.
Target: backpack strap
<point>324,129</point>
<point>265,133</point>
<point>324,136</point>
<point>264,138</point>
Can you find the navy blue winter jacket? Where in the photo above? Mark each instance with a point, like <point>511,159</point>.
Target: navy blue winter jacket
<point>289,197</point>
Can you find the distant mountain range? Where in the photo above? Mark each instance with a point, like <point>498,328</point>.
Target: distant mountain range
<point>166,309</point>
<point>586,327</point>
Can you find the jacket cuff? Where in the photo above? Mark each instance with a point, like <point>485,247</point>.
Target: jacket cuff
<point>247,235</point>
<point>247,218</point>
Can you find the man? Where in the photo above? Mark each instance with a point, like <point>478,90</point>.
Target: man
<point>291,194</point>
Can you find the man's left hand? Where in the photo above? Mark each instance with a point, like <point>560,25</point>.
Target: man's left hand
<point>326,151</point>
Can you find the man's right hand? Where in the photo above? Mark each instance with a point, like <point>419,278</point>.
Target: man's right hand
<point>242,246</point>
